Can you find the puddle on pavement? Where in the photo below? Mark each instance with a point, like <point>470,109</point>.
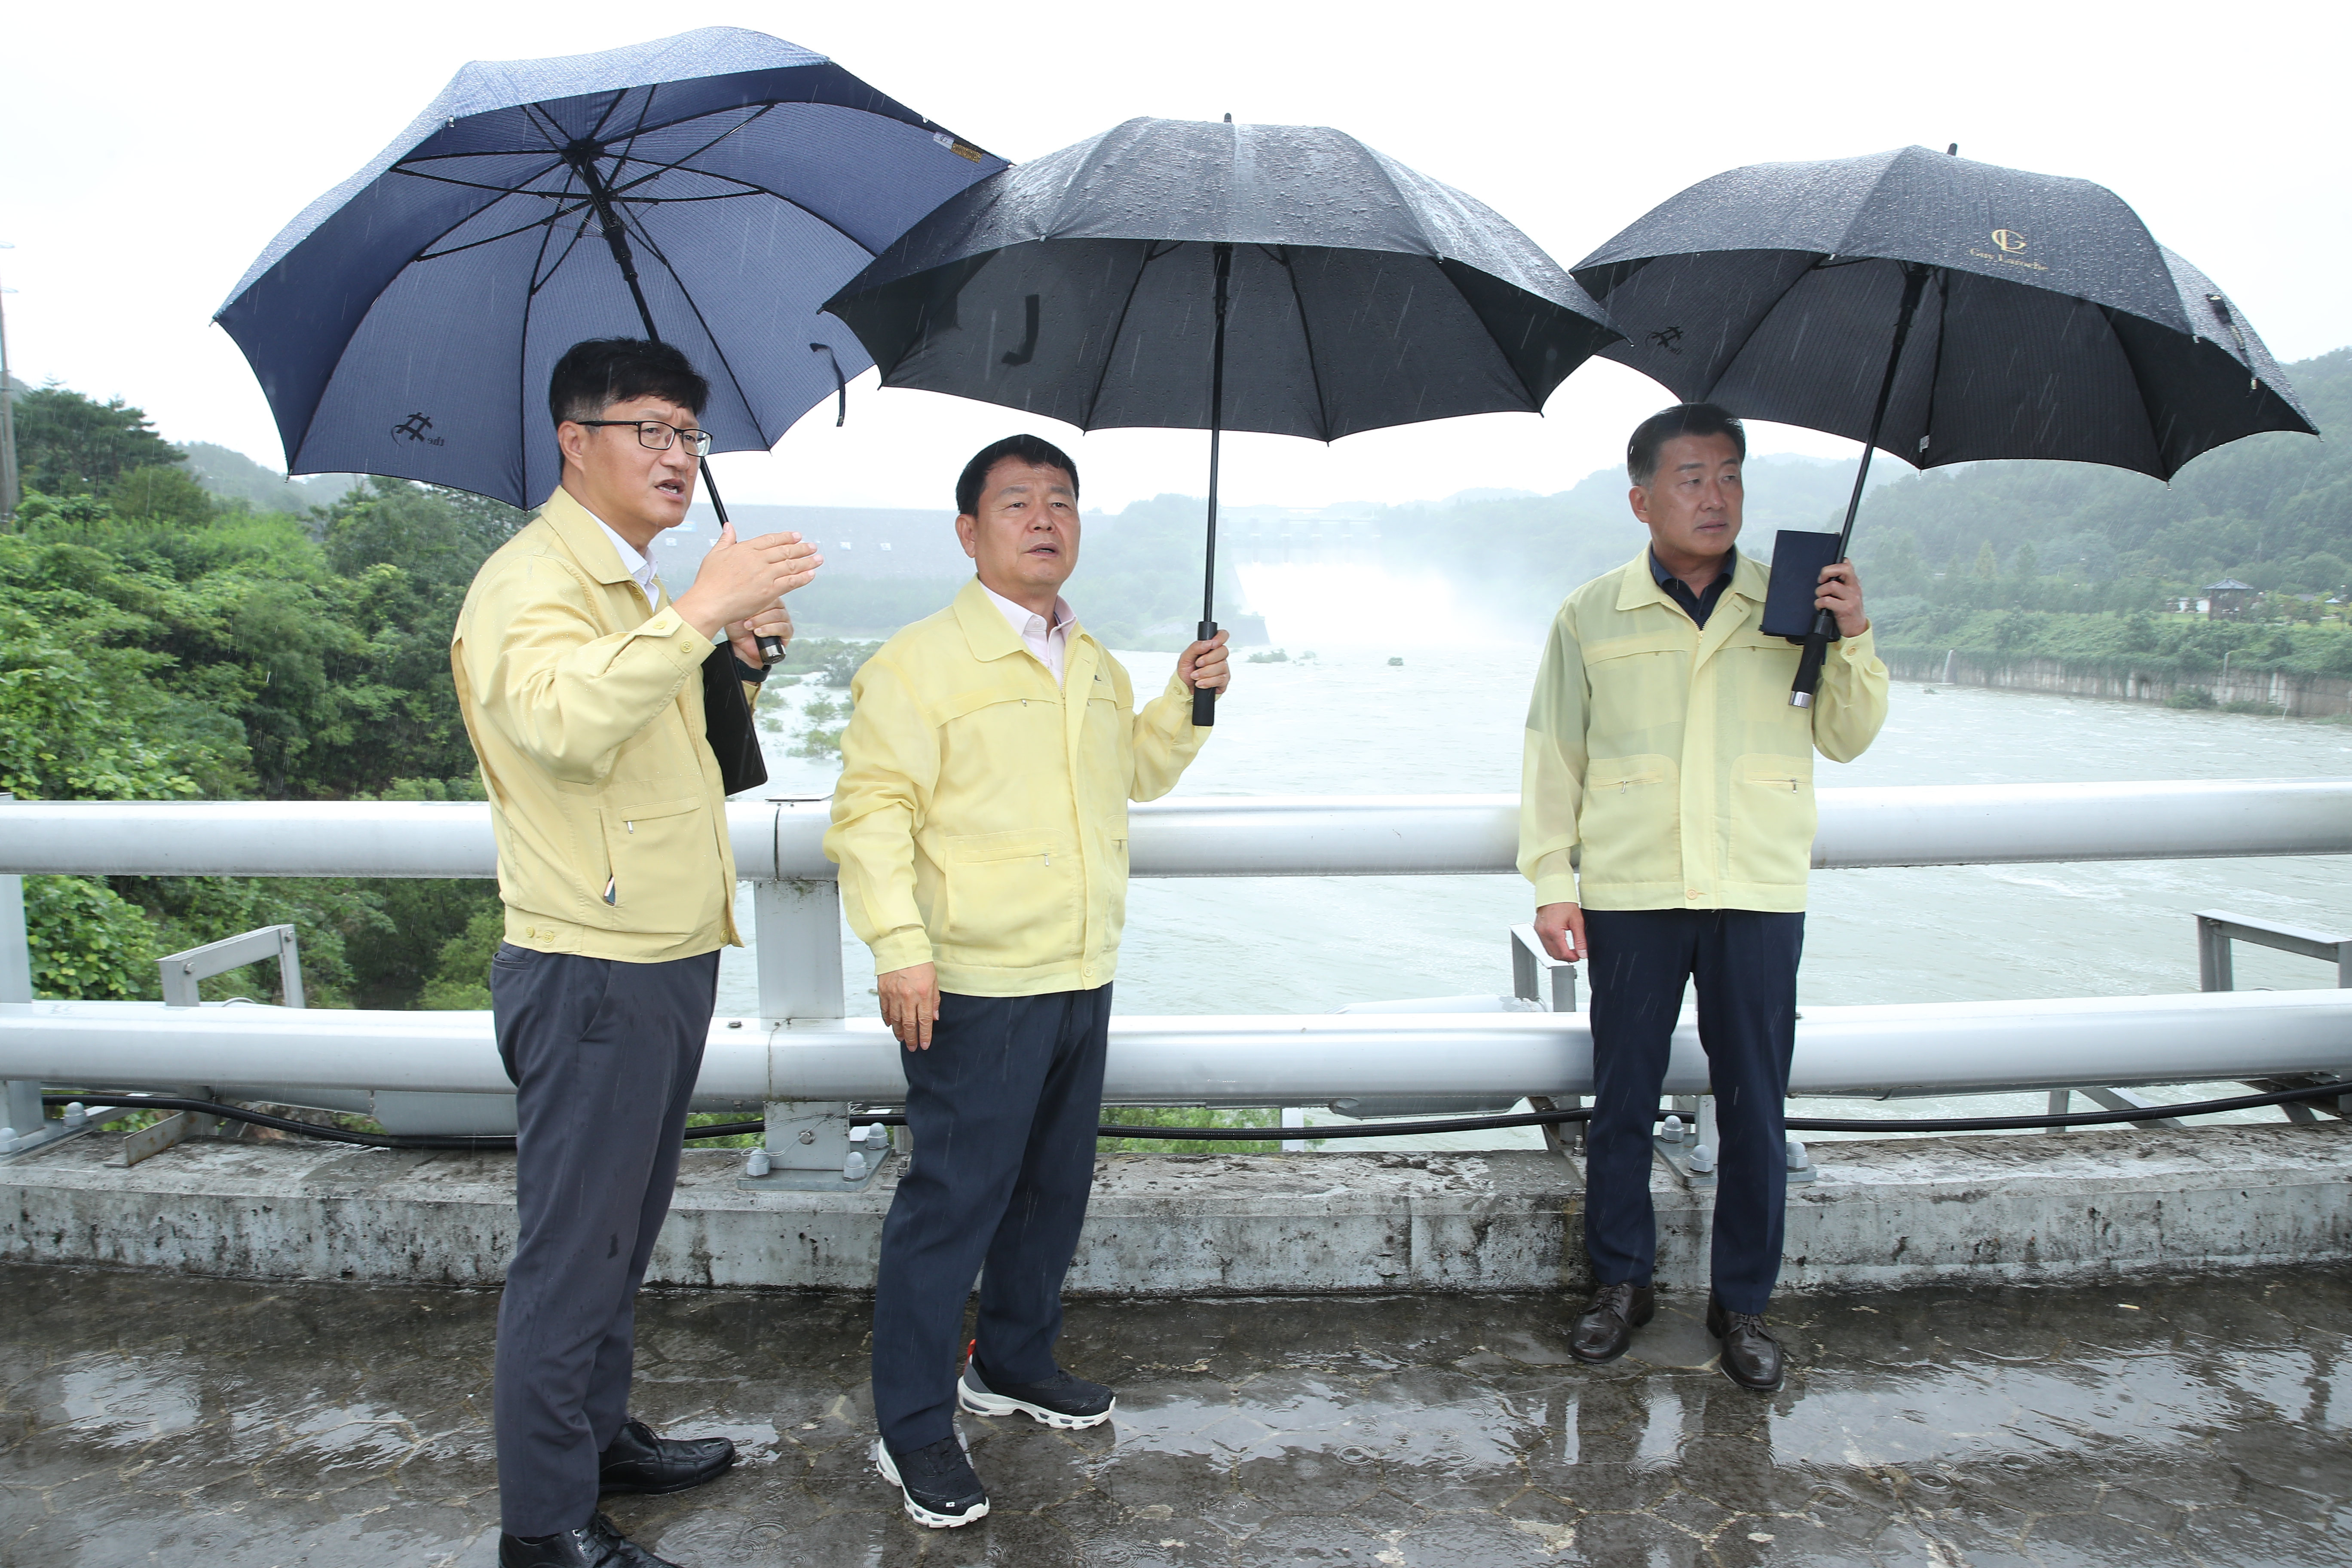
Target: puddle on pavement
<point>148,1417</point>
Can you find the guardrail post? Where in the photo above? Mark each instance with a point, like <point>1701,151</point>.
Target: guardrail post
<point>1536,976</point>
<point>24,1111</point>
<point>2213,970</point>
<point>797,946</point>
<point>797,933</point>
<point>182,970</point>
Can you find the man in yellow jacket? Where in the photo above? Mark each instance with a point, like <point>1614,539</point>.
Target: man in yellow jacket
<point>580,681</point>
<point>981,827</point>
<point>1666,821</point>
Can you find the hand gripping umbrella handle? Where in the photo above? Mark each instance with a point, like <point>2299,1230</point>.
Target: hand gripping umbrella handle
<point>1809,663</point>
<point>1204,698</point>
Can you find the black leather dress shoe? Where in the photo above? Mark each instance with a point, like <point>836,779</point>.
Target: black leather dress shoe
<point>597,1544</point>
<point>1607,1324</point>
<point>640,1462</point>
<point>1751,1356</point>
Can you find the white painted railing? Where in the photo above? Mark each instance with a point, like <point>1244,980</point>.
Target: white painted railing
<point>801,1049</point>
<point>1249,835</point>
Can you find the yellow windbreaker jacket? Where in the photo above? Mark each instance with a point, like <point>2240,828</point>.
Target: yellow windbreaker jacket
<point>1667,758</point>
<point>584,705</point>
<point>980,820</point>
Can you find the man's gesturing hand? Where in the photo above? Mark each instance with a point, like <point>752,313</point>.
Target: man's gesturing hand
<point>1202,666</point>
<point>910,1004</point>
<point>1840,595</point>
<point>741,578</point>
<point>1561,928</point>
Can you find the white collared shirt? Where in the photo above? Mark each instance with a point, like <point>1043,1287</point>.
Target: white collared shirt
<point>1049,643</point>
<point>634,565</point>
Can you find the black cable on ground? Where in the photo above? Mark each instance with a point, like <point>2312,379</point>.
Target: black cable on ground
<point>1271,1134</point>
<point>476,1141</point>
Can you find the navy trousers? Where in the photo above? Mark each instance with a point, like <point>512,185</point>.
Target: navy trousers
<point>1745,962</point>
<point>604,1055</point>
<point>1003,1108</point>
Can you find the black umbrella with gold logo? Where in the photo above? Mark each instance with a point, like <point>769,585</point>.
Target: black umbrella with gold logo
<point>1942,309</point>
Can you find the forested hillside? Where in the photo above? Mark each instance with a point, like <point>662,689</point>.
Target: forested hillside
<point>2272,510</point>
<point>157,642</point>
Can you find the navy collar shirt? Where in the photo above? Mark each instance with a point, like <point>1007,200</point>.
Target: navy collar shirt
<point>1698,607</point>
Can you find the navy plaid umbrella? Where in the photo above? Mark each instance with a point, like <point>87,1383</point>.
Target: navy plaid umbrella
<point>709,190</point>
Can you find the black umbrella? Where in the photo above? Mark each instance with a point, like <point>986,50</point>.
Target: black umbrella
<point>1945,309</point>
<point>1095,286</point>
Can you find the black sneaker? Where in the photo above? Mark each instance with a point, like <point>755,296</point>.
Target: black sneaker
<point>937,1480</point>
<point>1061,1401</point>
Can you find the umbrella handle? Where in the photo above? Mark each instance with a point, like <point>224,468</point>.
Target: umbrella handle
<point>1809,663</point>
<point>1204,698</point>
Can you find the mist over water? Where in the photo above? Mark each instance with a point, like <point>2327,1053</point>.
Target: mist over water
<point>1449,720</point>
<point>1313,607</point>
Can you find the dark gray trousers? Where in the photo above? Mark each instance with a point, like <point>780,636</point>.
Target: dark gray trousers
<point>604,1055</point>
<point>1003,1108</point>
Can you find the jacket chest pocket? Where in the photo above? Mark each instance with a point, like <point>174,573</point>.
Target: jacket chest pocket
<point>661,866</point>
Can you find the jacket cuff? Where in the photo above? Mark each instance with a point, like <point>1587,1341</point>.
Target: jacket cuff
<point>901,949</point>
<point>1555,879</point>
<point>1859,649</point>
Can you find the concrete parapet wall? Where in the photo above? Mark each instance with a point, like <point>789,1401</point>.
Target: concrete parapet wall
<point>2296,696</point>
<point>2034,1207</point>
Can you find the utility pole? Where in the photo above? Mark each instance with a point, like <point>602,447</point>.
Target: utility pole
<point>10,491</point>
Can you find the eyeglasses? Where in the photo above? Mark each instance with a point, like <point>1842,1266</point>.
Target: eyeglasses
<point>655,435</point>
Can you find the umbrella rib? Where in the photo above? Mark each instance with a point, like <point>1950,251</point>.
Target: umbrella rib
<point>549,221</point>
<point>656,170</point>
<point>1110,344</point>
<point>522,333</point>
<point>1314,371</point>
<point>733,380</point>
<point>1733,357</point>
<point>1935,370</point>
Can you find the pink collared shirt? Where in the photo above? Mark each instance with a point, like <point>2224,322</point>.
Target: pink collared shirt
<point>1049,643</point>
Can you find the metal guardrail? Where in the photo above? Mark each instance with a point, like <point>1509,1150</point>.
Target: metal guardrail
<point>418,1071</point>
<point>1251,836</point>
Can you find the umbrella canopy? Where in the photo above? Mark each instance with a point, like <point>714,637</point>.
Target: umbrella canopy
<point>1102,285</point>
<point>1948,310</point>
<point>1081,287</point>
<point>2048,322</point>
<point>709,189</point>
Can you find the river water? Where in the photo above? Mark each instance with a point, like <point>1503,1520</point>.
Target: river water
<point>1448,720</point>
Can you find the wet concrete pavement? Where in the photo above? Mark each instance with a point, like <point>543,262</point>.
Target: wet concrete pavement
<point>155,1419</point>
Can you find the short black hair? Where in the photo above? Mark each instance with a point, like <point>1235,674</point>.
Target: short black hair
<point>1033,449</point>
<point>594,375</point>
<point>1682,419</point>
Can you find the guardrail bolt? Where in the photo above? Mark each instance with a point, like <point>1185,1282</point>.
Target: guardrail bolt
<point>854,1168</point>
<point>1702,1159</point>
<point>1798,1159</point>
<point>808,1135</point>
<point>76,1114</point>
<point>756,1163</point>
<point>1673,1131</point>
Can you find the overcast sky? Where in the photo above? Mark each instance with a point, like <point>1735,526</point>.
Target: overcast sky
<point>152,149</point>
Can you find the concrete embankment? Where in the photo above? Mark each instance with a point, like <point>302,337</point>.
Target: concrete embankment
<point>2036,1207</point>
<point>2296,696</point>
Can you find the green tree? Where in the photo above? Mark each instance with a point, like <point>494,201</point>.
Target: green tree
<point>70,445</point>
<point>89,941</point>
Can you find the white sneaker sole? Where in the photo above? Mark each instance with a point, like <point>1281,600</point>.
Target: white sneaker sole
<point>916,1510</point>
<point>983,1404</point>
